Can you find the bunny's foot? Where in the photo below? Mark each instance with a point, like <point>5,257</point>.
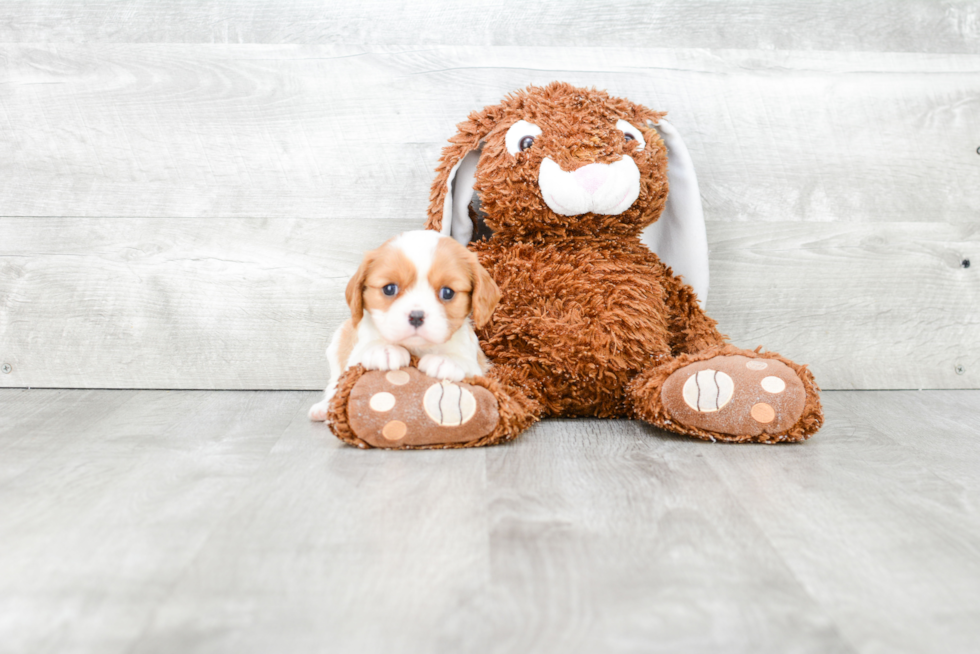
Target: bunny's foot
<point>731,394</point>
<point>407,409</point>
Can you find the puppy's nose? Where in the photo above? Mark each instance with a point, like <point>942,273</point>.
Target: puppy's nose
<point>416,318</point>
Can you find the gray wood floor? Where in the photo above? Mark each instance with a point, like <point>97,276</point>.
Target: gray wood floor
<point>209,521</point>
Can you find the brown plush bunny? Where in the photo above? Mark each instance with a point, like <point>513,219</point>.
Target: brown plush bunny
<point>591,322</point>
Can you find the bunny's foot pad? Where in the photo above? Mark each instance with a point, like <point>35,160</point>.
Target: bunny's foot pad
<point>406,408</point>
<point>735,395</point>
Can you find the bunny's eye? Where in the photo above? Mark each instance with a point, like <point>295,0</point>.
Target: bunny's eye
<point>521,136</point>
<point>631,133</point>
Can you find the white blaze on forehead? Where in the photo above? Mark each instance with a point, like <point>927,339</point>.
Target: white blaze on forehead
<point>419,248</point>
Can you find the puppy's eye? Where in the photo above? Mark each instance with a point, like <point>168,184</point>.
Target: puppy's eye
<point>390,289</point>
<point>631,133</point>
<point>446,293</point>
<point>520,136</point>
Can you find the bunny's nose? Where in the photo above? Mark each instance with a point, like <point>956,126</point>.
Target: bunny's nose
<point>416,318</point>
<point>591,177</point>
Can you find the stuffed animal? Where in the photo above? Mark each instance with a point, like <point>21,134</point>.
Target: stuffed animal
<point>558,190</point>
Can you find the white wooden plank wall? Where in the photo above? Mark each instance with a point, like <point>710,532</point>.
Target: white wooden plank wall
<point>185,186</point>
<point>951,26</point>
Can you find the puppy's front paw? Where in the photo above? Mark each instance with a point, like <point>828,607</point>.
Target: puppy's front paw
<point>318,412</point>
<point>441,367</point>
<point>386,357</point>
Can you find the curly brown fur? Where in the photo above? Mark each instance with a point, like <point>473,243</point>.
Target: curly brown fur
<point>690,330</point>
<point>337,418</point>
<point>567,339</point>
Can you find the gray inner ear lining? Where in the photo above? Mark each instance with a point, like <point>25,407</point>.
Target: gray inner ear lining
<point>459,194</point>
<point>679,237</point>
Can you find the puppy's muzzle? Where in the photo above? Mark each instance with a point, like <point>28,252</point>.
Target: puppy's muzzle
<point>416,318</point>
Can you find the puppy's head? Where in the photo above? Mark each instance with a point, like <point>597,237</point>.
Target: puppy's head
<point>420,287</point>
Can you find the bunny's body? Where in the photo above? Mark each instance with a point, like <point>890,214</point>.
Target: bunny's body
<point>577,322</point>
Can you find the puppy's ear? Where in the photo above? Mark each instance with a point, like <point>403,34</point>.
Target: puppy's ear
<point>485,294</point>
<point>355,288</point>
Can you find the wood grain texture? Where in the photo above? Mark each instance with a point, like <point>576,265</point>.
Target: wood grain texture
<point>175,303</point>
<point>376,553</point>
<point>114,495</point>
<point>251,303</point>
<point>909,26</point>
<point>354,133</point>
<point>867,305</point>
<point>209,521</point>
<point>608,537</point>
<point>846,513</point>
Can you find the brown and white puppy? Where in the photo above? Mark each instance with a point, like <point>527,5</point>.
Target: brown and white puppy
<point>414,295</point>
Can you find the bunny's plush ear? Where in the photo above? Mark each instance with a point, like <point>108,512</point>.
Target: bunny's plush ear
<point>456,220</point>
<point>679,237</point>
<point>452,199</point>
